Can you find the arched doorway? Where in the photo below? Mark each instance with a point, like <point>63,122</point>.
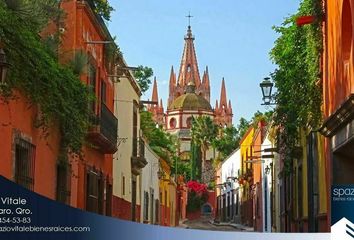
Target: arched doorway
<point>206,209</point>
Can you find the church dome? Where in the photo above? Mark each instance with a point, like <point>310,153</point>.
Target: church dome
<point>190,101</point>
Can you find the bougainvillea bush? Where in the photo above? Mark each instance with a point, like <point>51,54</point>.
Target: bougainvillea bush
<point>197,195</point>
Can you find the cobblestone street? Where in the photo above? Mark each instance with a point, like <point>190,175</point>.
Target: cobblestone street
<point>204,223</point>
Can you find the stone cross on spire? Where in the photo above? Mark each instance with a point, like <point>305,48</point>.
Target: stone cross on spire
<point>189,19</point>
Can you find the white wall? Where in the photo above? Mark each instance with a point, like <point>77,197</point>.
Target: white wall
<point>149,181</point>
<point>230,168</point>
<point>267,186</point>
<point>125,94</point>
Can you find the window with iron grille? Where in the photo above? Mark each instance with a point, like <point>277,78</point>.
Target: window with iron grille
<point>151,205</point>
<point>123,185</point>
<point>94,192</point>
<point>109,191</point>
<point>64,183</point>
<point>24,163</point>
<point>146,205</point>
<point>165,213</point>
<point>103,92</point>
<point>134,193</point>
<point>157,208</point>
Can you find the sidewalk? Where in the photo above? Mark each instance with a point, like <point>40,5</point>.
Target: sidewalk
<point>182,224</point>
<point>235,225</point>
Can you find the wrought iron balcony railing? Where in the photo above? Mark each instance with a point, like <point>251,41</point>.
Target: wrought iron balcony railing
<point>104,132</point>
<point>138,155</point>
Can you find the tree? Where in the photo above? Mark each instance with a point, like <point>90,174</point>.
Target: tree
<point>228,141</point>
<point>103,8</point>
<point>297,54</point>
<point>204,131</point>
<point>195,163</point>
<point>163,143</point>
<point>243,127</point>
<point>259,116</point>
<point>143,75</point>
<point>54,88</point>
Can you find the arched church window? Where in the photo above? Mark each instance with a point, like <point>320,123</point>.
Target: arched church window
<point>173,123</point>
<point>188,68</point>
<point>347,30</point>
<point>189,122</point>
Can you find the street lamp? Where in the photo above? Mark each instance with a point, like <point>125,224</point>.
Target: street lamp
<point>267,170</point>
<point>266,87</point>
<point>4,65</point>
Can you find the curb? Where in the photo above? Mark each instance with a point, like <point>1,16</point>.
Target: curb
<point>228,224</point>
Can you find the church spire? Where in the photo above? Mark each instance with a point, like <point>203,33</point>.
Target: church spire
<point>161,105</point>
<point>155,96</point>
<point>189,65</point>
<point>223,101</point>
<point>223,114</point>
<point>206,81</point>
<point>172,80</point>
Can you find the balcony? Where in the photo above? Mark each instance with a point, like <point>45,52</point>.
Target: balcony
<point>138,155</point>
<point>103,133</point>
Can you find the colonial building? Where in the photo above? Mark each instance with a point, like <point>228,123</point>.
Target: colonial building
<point>338,89</point>
<point>91,188</point>
<point>150,188</point>
<point>130,157</point>
<point>229,196</point>
<point>189,96</point>
<point>38,163</point>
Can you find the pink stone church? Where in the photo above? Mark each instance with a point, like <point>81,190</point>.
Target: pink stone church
<point>189,96</point>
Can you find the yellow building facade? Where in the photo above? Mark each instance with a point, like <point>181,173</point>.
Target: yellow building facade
<point>245,177</point>
<point>168,188</point>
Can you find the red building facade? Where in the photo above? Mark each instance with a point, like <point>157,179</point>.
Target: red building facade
<point>338,93</point>
<point>34,160</point>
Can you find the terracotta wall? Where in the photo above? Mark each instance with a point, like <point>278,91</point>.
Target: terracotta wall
<point>338,55</point>
<point>80,27</point>
<point>121,208</point>
<point>338,78</point>
<point>17,117</point>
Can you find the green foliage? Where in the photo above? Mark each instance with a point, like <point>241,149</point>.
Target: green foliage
<point>196,201</point>
<point>163,143</point>
<point>60,95</point>
<point>228,141</point>
<point>259,116</point>
<point>35,14</point>
<point>297,54</point>
<point>195,162</point>
<point>103,8</point>
<point>229,138</point>
<point>243,127</point>
<point>51,43</point>
<point>143,75</point>
<point>79,62</point>
<point>203,132</point>
<point>183,168</point>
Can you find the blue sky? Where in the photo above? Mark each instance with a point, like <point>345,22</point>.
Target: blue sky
<point>232,37</point>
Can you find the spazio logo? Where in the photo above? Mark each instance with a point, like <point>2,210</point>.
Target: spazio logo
<point>343,192</point>
<point>342,230</point>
